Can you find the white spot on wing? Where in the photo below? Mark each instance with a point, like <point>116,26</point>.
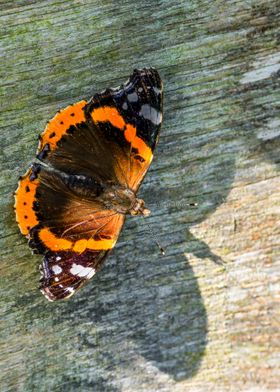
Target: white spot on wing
<point>91,273</point>
<point>82,271</point>
<point>150,113</point>
<point>133,97</point>
<point>76,269</point>
<point>56,269</point>
<point>71,291</point>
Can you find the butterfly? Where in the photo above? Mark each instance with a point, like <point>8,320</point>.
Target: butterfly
<point>92,157</point>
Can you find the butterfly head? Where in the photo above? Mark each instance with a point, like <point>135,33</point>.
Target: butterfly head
<point>138,208</point>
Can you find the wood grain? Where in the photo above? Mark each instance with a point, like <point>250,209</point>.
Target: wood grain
<point>204,317</point>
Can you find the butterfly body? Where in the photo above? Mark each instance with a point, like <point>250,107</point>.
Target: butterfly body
<point>123,201</point>
<point>92,157</point>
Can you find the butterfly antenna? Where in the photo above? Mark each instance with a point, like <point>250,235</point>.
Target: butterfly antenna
<point>161,249</point>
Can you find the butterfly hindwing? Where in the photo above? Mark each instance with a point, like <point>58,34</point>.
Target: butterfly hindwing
<point>70,216</point>
<point>70,227</point>
<point>63,273</point>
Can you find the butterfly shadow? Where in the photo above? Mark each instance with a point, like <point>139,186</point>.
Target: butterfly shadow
<point>155,318</point>
<point>151,304</point>
<point>167,320</point>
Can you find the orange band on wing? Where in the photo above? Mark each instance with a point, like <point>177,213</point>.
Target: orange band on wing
<point>110,114</point>
<point>143,150</point>
<point>56,244</point>
<point>59,124</point>
<point>101,244</point>
<point>130,133</point>
<point>80,246</point>
<point>24,198</point>
<point>52,242</point>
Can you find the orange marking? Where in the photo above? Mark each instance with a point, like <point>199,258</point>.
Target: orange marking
<point>52,242</point>
<point>59,124</point>
<point>24,197</point>
<point>80,246</point>
<point>100,245</point>
<point>130,133</point>
<point>55,243</point>
<point>112,115</point>
<point>143,150</point>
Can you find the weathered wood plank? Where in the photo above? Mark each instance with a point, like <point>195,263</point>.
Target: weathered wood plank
<point>148,323</point>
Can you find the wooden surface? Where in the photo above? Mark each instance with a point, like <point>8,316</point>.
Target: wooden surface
<point>177,323</point>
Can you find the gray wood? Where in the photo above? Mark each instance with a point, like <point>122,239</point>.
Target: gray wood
<point>182,322</point>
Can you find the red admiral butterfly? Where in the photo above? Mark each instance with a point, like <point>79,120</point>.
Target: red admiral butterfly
<point>92,157</point>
